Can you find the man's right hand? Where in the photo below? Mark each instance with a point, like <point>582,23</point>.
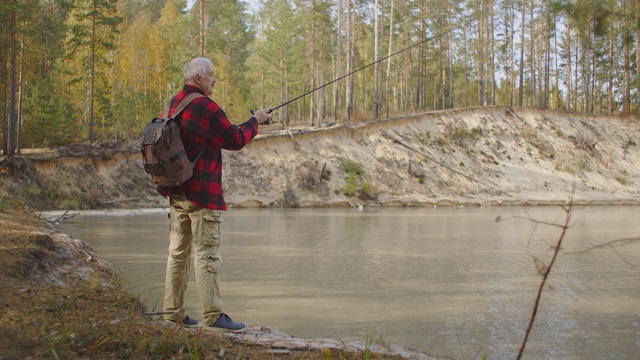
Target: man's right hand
<point>263,116</point>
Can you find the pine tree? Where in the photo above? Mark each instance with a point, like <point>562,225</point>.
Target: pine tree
<point>93,25</point>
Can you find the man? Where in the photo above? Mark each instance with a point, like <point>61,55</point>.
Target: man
<point>197,204</point>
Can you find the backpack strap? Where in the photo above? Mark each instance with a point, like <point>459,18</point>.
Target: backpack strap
<point>195,160</point>
<point>183,104</point>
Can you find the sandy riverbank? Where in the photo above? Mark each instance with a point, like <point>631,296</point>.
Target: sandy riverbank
<point>473,157</point>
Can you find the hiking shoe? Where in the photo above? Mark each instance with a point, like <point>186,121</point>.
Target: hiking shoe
<point>224,323</point>
<point>187,321</point>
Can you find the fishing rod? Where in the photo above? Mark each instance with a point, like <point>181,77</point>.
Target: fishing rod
<point>366,66</point>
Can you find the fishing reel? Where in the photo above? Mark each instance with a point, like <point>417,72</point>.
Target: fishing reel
<point>269,121</point>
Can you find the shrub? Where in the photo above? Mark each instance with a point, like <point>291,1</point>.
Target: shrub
<point>350,166</point>
<point>352,184</point>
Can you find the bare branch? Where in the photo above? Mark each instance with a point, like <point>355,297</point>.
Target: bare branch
<point>537,222</point>
<point>609,244</point>
<point>545,270</point>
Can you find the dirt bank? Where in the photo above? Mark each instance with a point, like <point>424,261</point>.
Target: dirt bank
<point>482,156</point>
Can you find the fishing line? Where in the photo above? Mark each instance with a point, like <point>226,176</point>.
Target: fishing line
<point>366,66</point>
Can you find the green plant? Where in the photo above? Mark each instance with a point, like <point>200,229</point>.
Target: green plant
<point>461,135</point>
<point>350,166</point>
<point>424,140</point>
<point>243,349</point>
<point>440,142</point>
<point>367,347</point>
<point>366,192</point>
<point>50,343</point>
<point>10,203</point>
<point>583,165</point>
<point>352,184</point>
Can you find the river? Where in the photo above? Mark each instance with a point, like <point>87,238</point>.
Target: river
<point>447,281</point>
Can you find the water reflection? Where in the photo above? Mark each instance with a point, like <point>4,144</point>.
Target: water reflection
<point>450,281</point>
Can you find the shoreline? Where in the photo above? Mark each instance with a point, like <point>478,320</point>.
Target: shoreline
<point>70,271</point>
<point>53,214</point>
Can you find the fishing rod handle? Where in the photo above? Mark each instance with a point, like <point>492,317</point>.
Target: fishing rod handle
<point>269,121</point>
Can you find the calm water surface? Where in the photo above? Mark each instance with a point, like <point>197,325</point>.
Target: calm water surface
<point>449,281</point>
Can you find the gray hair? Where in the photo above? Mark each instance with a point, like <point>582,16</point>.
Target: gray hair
<point>195,67</point>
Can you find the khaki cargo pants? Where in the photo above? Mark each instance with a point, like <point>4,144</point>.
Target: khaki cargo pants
<point>197,228</point>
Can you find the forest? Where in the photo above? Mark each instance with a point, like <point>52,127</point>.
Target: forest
<point>99,70</point>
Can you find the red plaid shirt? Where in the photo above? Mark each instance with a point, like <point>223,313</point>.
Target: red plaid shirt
<point>202,123</point>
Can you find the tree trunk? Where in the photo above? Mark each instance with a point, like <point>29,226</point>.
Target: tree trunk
<point>556,96</point>
<point>547,64</point>
<point>92,85</point>
<point>336,68</point>
<point>480,60</point>
<point>610,85</point>
<point>576,61</point>
<point>420,94</point>
<point>350,55</point>
<point>466,62</point>
<point>21,96</point>
<point>313,63</point>
<point>10,146</point>
<point>492,53</point>
<point>389,56</point>
<point>375,58</point>
<point>450,57</point>
<point>638,52</point>
<point>202,30</point>
<point>532,56</point>
<point>520,81</point>
<point>626,85</point>
<point>569,75</point>
<point>587,67</point>
<point>510,19</point>
<point>323,95</point>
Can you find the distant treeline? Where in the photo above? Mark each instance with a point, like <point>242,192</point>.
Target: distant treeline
<point>98,70</point>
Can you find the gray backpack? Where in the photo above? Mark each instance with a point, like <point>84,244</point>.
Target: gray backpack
<point>163,153</point>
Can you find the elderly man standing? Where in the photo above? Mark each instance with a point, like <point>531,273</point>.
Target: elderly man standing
<point>197,204</point>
